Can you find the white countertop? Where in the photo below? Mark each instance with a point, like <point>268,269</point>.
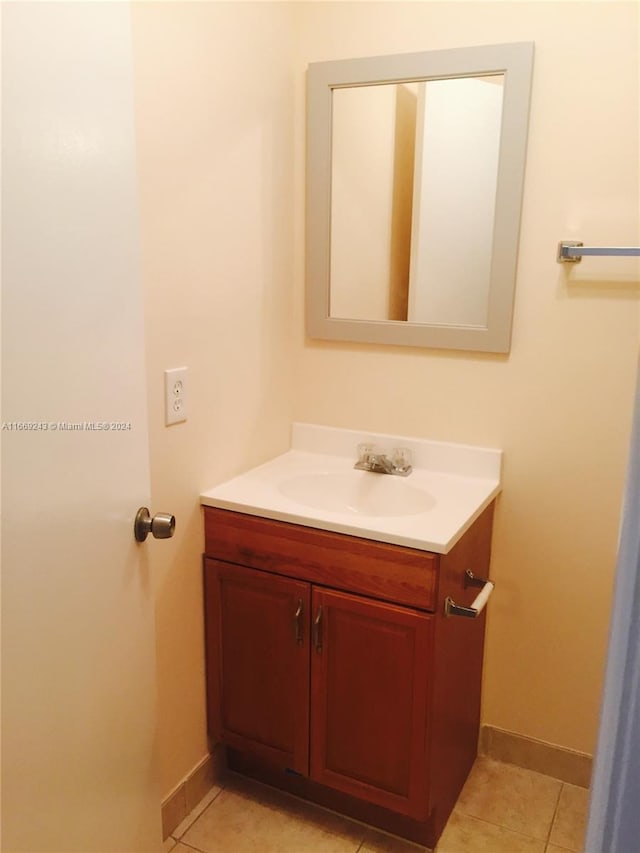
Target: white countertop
<point>449,487</point>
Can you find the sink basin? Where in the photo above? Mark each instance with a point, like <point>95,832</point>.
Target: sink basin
<point>314,484</point>
<point>357,492</point>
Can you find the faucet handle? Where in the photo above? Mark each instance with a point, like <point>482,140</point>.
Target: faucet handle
<point>365,451</point>
<point>401,460</point>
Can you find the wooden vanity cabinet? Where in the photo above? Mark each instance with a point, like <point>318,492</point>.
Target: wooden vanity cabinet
<point>369,700</point>
<point>258,676</point>
<point>333,673</point>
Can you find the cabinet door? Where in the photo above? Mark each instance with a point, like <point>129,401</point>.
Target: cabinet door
<point>258,662</point>
<point>370,686</point>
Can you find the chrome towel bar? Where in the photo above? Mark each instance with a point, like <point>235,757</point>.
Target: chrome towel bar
<point>571,251</point>
<point>478,603</point>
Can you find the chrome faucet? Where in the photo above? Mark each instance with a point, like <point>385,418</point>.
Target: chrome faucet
<point>371,458</point>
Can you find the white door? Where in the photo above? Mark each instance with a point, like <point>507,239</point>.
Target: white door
<point>77,596</point>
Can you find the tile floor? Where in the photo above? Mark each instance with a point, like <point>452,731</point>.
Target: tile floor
<point>502,809</point>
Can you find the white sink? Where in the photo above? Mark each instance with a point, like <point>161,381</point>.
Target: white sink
<point>357,492</point>
<point>315,484</point>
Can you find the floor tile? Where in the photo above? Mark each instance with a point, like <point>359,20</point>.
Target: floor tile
<point>570,822</point>
<point>551,848</point>
<point>465,834</point>
<point>245,818</point>
<point>508,796</point>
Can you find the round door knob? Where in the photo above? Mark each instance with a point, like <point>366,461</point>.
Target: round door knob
<point>161,526</point>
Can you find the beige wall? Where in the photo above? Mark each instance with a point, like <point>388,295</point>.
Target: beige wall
<point>220,123</point>
<point>560,403</point>
<point>214,110</point>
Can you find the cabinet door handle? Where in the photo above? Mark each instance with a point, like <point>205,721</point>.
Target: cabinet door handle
<point>317,630</point>
<point>297,620</point>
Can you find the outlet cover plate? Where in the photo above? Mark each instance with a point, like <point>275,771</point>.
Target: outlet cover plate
<point>175,395</point>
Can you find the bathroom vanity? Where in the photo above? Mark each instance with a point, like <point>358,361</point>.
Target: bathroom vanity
<point>333,670</point>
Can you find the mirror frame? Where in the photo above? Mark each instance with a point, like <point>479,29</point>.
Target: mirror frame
<point>515,61</point>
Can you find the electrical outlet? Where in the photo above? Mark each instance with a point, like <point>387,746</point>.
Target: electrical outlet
<point>175,395</point>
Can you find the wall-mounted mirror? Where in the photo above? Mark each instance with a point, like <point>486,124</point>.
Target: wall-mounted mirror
<point>415,167</point>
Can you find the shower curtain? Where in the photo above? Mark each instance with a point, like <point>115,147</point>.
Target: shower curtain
<point>614,813</point>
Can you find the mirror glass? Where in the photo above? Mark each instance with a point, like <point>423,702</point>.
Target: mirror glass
<point>415,168</point>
